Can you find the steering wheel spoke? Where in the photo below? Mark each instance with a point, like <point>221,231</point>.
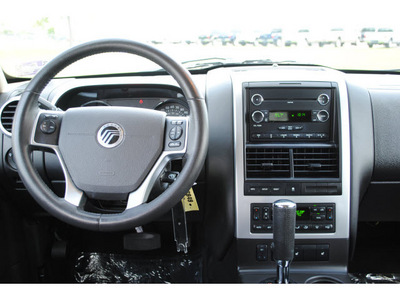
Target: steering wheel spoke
<point>46,129</point>
<point>45,135</point>
<point>73,194</point>
<point>176,136</point>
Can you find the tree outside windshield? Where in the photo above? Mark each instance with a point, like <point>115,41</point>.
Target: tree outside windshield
<point>344,34</point>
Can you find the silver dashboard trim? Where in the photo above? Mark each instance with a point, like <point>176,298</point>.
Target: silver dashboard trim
<point>239,76</point>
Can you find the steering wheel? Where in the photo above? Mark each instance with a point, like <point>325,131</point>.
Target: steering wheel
<point>110,153</point>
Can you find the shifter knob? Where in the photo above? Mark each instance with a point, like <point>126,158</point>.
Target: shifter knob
<point>284,214</point>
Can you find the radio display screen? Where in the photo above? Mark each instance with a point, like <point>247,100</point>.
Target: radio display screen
<point>289,116</point>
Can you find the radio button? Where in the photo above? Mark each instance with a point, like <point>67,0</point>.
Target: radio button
<point>253,190</point>
<point>257,99</point>
<point>310,136</point>
<point>321,135</point>
<point>322,99</point>
<point>277,190</point>
<point>323,116</point>
<point>283,136</point>
<point>257,116</point>
<point>265,190</point>
<point>298,127</point>
<point>296,136</point>
<point>282,128</point>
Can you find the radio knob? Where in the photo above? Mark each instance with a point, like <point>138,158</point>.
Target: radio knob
<point>257,99</point>
<point>323,99</point>
<point>323,116</point>
<point>257,116</point>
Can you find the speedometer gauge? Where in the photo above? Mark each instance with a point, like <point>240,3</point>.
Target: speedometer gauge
<point>174,108</point>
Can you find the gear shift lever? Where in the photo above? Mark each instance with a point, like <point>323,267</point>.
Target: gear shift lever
<point>284,215</point>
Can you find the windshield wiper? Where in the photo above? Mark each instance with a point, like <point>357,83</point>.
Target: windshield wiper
<point>266,61</point>
<point>214,62</point>
<point>204,63</point>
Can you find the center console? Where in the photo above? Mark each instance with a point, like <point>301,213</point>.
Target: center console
<point>292,142</point>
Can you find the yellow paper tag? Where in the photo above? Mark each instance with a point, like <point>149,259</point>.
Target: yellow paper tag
<point>189,201</point>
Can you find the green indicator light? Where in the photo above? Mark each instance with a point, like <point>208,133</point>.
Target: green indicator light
<point>299,213</point>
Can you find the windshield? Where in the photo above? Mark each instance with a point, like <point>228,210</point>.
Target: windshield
<point>344,35</point>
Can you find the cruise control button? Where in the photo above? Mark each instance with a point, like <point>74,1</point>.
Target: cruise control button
<point>174,144</point>
<point>175,133</point>
<point>48,126</point>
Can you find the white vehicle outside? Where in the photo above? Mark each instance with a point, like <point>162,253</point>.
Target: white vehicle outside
<point>381,36</point>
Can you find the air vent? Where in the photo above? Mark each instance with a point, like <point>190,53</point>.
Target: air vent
<point>267,163</point>
<point>316,162</point>
<point>7,115</point>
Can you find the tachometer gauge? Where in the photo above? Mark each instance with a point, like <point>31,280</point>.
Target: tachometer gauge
<point>174,107</point>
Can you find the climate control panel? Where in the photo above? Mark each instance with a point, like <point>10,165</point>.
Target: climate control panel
<point>310,218</point>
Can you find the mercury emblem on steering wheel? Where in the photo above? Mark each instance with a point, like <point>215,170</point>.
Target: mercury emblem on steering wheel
<point>110,135</point>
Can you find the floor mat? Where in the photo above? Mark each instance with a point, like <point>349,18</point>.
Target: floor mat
<point>123,268</point>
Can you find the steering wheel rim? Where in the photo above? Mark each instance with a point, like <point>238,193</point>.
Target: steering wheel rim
<point>26,118</point>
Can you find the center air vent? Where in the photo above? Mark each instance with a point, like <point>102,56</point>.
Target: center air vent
<point>7,115</point>
<point>316,163</point>
<point>267,163</point>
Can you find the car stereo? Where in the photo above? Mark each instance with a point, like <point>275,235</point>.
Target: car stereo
<point>294,114</point>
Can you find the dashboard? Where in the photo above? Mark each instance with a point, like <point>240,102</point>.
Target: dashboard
<point>318,137</point>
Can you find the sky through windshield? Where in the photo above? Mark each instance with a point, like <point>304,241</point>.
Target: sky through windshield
<point>174,22</point>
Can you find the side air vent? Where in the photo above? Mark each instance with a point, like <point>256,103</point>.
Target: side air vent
<point>316,163</point>
<point>7,115</point>
<point>267,163</point>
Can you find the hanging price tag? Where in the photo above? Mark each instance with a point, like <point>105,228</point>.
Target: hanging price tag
<point>189,201</point>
